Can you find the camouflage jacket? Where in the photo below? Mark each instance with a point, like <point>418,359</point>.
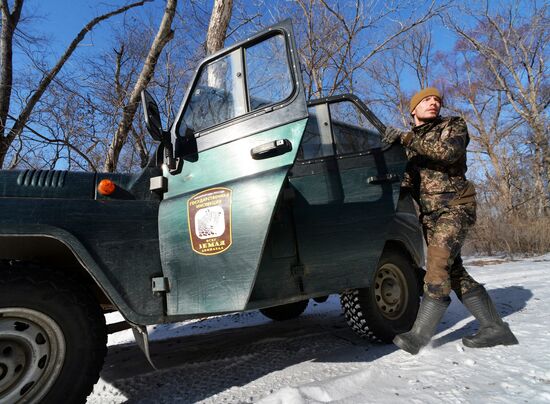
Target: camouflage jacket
<point>436,171</point>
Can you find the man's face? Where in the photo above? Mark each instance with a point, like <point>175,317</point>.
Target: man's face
<point>427,109</point>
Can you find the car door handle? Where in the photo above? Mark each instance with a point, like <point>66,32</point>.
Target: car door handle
<point>271,149</point>
<point>379,179</point>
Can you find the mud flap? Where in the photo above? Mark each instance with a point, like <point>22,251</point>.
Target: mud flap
<point>142,339</point>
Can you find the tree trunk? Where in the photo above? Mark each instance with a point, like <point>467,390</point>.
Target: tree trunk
<point>164,35</point>
<point>9,24</point>
<point>217,29</point>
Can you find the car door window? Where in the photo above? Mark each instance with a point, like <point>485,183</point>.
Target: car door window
<point>317,140</point>
<point>216,97</point>
<point>240,82</point>
<point>268,73</point>
<point>352,131</point>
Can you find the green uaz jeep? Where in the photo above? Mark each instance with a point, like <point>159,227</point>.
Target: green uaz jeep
<point>255,200</point>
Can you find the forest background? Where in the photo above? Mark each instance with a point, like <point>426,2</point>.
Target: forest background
<point>71,76</point>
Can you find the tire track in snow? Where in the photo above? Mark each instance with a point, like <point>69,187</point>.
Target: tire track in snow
<point>317,358</point>
<point>237,365</point>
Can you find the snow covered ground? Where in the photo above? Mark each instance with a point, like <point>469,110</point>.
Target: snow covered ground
<point>318,359</point>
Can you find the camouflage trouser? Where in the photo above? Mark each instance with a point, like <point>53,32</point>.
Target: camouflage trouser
<point>445,231</point>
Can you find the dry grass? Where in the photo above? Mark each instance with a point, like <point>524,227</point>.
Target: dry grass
<point>482,263</point>
<point>511,235</point>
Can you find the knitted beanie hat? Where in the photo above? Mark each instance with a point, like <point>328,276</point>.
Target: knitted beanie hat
<point>419,96</point>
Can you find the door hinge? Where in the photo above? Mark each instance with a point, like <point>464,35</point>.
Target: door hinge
<point>160,285</point>
<point>158,185</point>
<point>297,270</point>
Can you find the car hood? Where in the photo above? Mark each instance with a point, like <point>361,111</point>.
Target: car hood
<point>47,184</point>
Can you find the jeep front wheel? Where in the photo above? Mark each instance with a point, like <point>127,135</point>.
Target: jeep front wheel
<point>389,305</point>
<point>52,337</point>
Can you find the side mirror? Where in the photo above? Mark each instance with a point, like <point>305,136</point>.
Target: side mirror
<point>154,126</point>
<point>152,116</point>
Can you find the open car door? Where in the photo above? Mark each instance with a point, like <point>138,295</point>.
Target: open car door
<point>237,134</point>
<point>347,187</point>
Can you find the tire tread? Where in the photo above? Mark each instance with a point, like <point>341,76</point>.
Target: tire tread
<point>361,312</point>
<point>69,289</point>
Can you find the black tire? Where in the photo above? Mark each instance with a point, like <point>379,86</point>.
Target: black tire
<point>389,306</point>
<point>48,315</point>
<point>285,311</point>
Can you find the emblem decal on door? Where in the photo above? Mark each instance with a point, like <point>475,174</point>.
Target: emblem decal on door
<point>209,219</point>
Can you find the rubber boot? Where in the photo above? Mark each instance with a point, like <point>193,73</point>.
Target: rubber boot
<point>429,315</point>
<point>492,330</point>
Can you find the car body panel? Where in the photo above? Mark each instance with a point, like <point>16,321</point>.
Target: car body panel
<point>341,239</point>
<point>115,240</point>
<point>202,283</point>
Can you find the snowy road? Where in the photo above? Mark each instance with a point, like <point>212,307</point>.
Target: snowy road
<point>317,358</point>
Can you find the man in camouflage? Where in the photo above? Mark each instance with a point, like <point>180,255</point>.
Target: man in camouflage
<point>436,177</point>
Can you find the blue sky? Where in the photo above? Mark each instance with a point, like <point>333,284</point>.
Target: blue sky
<point>65,18</point>
<point>61,20</point>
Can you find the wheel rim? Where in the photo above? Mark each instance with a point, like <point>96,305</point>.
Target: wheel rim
<point>32,352</point>
<point>390,291</point>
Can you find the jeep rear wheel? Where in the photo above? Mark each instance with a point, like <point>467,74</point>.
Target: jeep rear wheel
<point>52,337</point>
<point>285,311</point>
<point>389,305</point>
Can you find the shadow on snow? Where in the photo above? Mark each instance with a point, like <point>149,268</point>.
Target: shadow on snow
<point>197,367</point>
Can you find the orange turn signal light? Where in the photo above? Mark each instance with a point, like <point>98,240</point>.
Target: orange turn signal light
<point>106,187</point>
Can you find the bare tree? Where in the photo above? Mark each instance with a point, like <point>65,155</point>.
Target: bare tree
<point>416,52</point>
<point>10,20</point>
<point>471,94</point>
<point>386,89</point>
<point>215,38</point>
<point>79,135</point>
<point>217,29</point>
<point>338,40</point>
<point>112,78</point>
<point>513,45</point>
<point>164,35</point>
<point>398,72</point>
